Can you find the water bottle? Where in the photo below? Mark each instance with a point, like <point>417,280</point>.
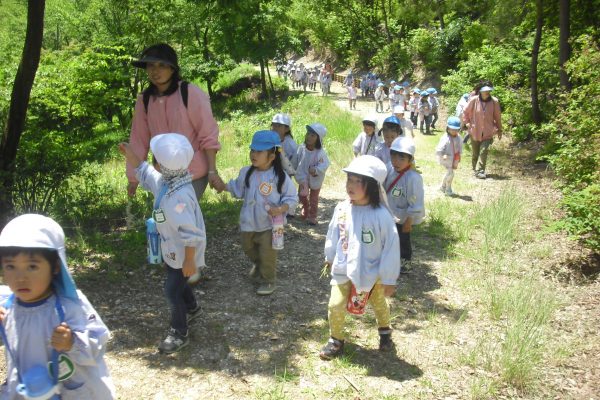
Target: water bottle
<point>38,384</point>
<point>277,238</point>
<point>153,237</point>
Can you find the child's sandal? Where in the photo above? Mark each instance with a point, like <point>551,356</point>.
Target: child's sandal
<point>333,348</point>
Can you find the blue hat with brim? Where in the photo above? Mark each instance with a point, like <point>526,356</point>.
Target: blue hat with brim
<point>486,89</point>
<point>392,120</point>
<point>397,87</point>
<point>416,90</point>
<point>265,140</point>
<point>453,123</point>
<point>34,231</point>
<point>432,90</point>
<point>424,93</point>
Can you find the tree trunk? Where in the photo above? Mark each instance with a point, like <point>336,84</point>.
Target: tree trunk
<point>440,13</point>
<point>385,22</point>
<point>539,24</point>
<point>263,80</point>
<point>270,80</point>
<point>206,55</point>
<point>564,52</point>
<point>19,101</point>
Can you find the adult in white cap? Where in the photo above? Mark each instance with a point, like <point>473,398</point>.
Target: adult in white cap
<point>180,224</point>
<point>405,195</point>
<point>170,104</point>
<point>310,174</point>
<point>44,318</point>
<point>366,141</point>
<point>483,119</point>
<point>363,253</point>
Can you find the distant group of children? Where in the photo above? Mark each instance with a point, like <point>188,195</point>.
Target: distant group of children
<point>44,318</point>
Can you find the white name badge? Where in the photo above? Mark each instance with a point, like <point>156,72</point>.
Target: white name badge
<point>159,216</point>
<point>66,368</point>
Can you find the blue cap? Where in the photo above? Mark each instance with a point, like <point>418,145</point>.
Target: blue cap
<point>265,140</point>
<point>392,120</point>
<point>486,89</point>
<point>397,87</point>
<point>424,93</point>
<point>432,90</point>
<point>416,90</point>
<point>380,84</point>
<point>466,96</point>
<point>453,123</point>
<point>405,83</point>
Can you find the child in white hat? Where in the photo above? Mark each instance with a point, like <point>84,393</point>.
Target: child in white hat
<point>363,253</point>
<point>268,193</point>
<point>180,225</point>
<point>405,195</point>
<point>312,165</point>
<point>45,319</point>
<point>448,151</point>
<point>367,140</point>
<point>282,124</point>
<point>379,97</point>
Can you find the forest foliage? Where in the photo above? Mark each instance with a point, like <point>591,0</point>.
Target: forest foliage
<point>84,91</point>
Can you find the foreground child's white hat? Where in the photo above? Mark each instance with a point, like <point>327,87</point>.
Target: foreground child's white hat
<point>404,145</point>
<point>37,231</point>
<point>172,150</point>
<point>283,119</point>
<point>319,129</point>
<point>368,166</point>
<point>371,118</point>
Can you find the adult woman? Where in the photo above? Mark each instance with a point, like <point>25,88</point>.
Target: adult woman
<point>484,121</point>
<point>171,105</point>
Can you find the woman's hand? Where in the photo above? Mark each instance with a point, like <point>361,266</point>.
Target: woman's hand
<point>62,338</point>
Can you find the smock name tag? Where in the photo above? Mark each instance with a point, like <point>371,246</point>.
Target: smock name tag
<point>66,368</point>
<point>396,192</point>
<point>159,216</point>
<point>367,236</point>
<point>265,188</point>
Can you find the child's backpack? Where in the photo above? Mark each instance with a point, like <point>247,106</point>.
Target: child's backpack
<point>184,96</point>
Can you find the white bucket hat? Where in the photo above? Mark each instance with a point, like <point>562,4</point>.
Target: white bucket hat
<point>38,231</point>
<point>404,145</point>
<point>319,129</point>
<point>398,109</point>
<point>367,165</point>
<point>371,118</point>
<point>172,150</point>
<point>283,119</point>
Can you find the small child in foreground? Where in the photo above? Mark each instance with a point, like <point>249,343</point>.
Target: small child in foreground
<point>363,253</point>
<point>180,224</point>
<point>45,319</point>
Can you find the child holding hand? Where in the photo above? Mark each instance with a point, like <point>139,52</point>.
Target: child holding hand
<point>313,163</point>
<point>268,193</point>
<point>363,253</point>
<point>180,224</point>
<point>45,319</point>
<point>448,151</point>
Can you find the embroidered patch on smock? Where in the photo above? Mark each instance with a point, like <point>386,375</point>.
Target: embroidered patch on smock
<point>265,188</point>
<point>179,208</point>
<point>367,236</point>
<point>396,191</point>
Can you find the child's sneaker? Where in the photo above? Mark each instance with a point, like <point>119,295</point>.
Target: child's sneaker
<point>481,175</point>
<point>193,313</point>
<point>265,289</point>
<point>449,192</point>
<point>385,339</point>
<point>406,266</point>
<point>333,348</point>
<point>173,342</point>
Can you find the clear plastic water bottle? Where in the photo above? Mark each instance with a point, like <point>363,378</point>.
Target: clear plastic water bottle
<point>153,237</point>
<point>277,238</point>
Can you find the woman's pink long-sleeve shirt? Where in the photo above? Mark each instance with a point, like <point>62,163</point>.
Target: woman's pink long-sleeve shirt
<point>168,114</point>
<point>484,117</point>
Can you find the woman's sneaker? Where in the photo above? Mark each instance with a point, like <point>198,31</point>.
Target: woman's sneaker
<point>173,342</point>
<point>333,348</point>
<point>265,289</point>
